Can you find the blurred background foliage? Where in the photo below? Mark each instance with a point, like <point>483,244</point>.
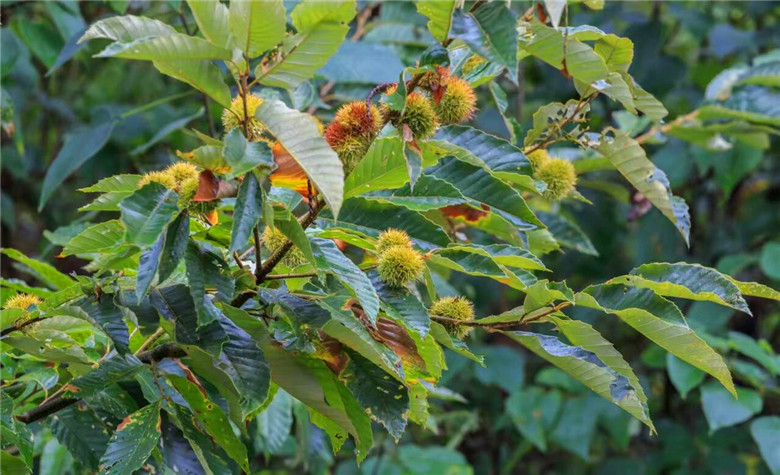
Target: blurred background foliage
<point>517,418</point>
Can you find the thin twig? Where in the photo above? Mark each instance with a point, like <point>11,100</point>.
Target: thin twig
<point>168,350</point>
<point>580,106</point>
<point>258,255</point>
<point>145,346</point>
<point>290,276</point>
<point>20,325</point>
<point>667,127</point>
<point>522,321</point>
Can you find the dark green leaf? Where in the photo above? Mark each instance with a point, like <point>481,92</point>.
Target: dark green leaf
<point>385,397</point>
<point>766,432</point>
<point>109,372</point>
<point>246,213</point>
<point>133,442</point>
<point>108,316</point>
<point>212,419</point>
<point>725,410</point>
<point>370,218</point>
<point>148,264</point>
<point>176,239</point>
<point>83,432</point>
<point>329,257</point>
<point>80,145</point>
<point>244,156</point>
<point>147,212</point>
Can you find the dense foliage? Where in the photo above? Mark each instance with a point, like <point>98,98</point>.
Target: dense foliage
<point>291,281</point>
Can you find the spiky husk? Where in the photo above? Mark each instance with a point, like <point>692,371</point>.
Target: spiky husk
<point>234,117</point>
<point>420,116</point>
<point>353,119</point>
<point>172,177</point>
<point>160,177</point>
<point>434,79</point>
<point>560,176</point>
<point>352,131</point>
<point>538,158</point>
<point>351,150</point>
<point>456,308</point>
<point>399,266</point>
<point>273,239</point>
<point>182,171</point>
<point>187,190</point>
<point>391,238</point>
<point>22,301</point>
<point>471,64</point>
<point>458,103</point>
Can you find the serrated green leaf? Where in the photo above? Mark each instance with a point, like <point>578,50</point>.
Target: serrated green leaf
<point>329,257</point>
<point>481,149</point>
<point>489,31</point>
<point>429,194</point>
<point>402,305</point>
<point>245,363</point>
<point>585,336</point>
<point>116,183</point>
<point>386,398</point>
<point>274,423</point>
<point>756,104</point>
<point>100,237</point>
<point>660,321</point>
<point>246,213</point>
<point>127,28</point>
<point>312,383</point>
<point>439,15</point>
<point>109,372</point>
<point>322,26</point>
<point>176,238</point>
<point>627,155</point>
<point>202,75</point>
<point>458,346</point>
<point>205,269</point>
<point>133,442</point>
<point>175,304</point>
<point>477,184</point>
<point>256,26</point>
<point>586,367</point>
<point>147,212</point>
<point>46,273</point>
<point>581,62</point>
<point>105,313</point>
<point>80,145</point>
<point>383,167</point>
<point>172,47</point>
<point>299,135</point>
<point>212,19</point>
<point>688,281</point>
<point>148,264</point>
<point>370,218</point>
<point>244,156</point>
<point>83,432</point>
<point>212,419</point>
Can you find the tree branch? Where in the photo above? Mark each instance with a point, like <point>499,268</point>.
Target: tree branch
<point>20,325</point>
<point>168,350</point>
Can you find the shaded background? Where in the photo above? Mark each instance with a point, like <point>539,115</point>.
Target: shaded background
<point>54,88</point>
